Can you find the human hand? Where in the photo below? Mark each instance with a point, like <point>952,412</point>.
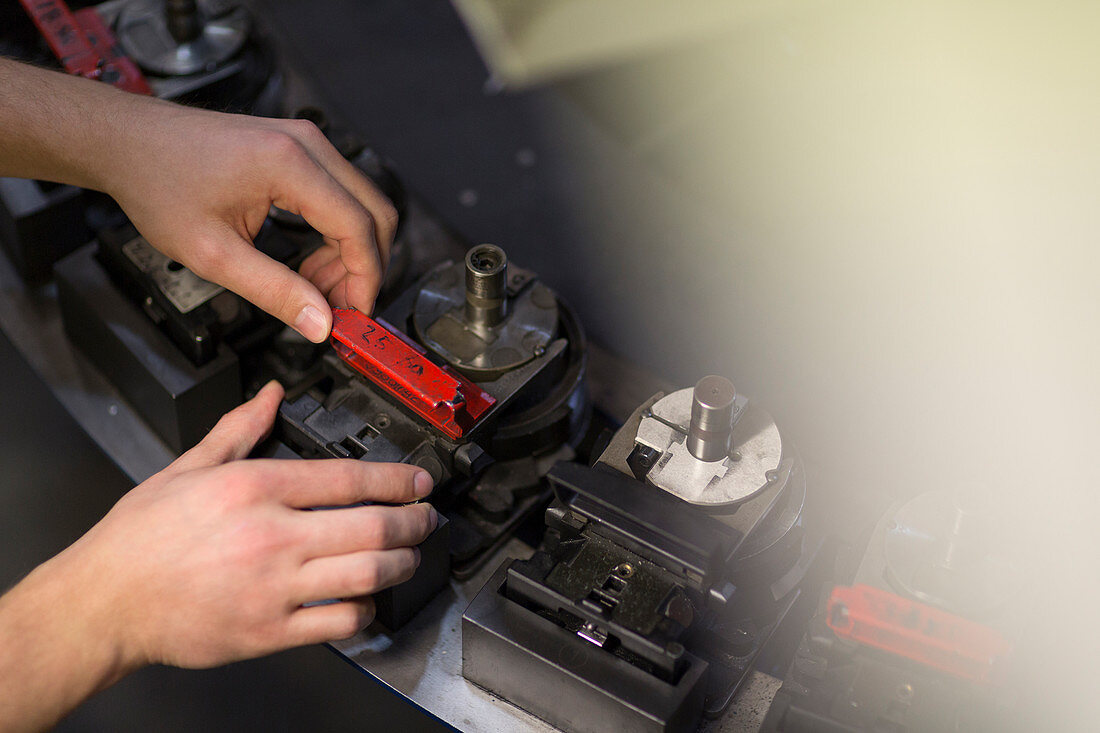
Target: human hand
<point>198,186</point>
<point>211,560</point>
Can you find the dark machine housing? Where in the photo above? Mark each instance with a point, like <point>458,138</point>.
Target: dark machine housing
<point>665,569</point>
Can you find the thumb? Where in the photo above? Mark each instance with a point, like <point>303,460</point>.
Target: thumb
<point>272,286</point>
<point>237,433</point>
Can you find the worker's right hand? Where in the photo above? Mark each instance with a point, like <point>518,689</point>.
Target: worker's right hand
<point>213,560</point>
<point>198,185</point>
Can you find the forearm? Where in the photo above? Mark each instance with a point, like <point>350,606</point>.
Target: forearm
<point>58,645</point>
<point>62,128</point>
<point>198,186</point>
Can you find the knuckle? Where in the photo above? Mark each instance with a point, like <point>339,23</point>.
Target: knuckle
<point>366,226</point>
<point>237,485</point>
<point>241,484</point>
<point>346,626</point>
<point>282,145</point>
<point>207,257</point>
<point>281,291</point>
<point>352,475</point>
<point>375,531</point>
<point>306,130</point>
<point>408,565</point>
<point>370,576</point>
<point>260,540</point>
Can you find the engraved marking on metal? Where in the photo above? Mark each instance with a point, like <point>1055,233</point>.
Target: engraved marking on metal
<point>450,402</point>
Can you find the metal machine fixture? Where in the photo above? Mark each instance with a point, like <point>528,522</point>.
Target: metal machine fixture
<point>181,37</point>
<point>665,569</point>
<point>476,373</point>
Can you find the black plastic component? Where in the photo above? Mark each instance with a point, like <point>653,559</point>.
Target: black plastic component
<point>645,519</point>
<point>395,606</point>
<point>566,680</point>
<point>484,500</point>
<point>180,401</point>
<point>222,318</point>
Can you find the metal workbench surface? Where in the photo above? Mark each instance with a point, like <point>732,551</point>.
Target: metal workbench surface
<point>422,661</point>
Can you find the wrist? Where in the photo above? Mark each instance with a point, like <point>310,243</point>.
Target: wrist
<point>112,151</point>
<point>78,603</point>
<point>60,646</point>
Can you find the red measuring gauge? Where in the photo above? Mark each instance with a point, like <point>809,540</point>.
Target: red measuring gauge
<point>84,44</point>
<point>391,360</point>
<point>917,631</point>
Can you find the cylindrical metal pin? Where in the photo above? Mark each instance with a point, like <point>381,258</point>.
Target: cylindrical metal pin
<point>184,21</point>
<point>486,285</point>
<point>712,403</point>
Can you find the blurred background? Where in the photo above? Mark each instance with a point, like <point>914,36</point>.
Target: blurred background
<point>877,218</point>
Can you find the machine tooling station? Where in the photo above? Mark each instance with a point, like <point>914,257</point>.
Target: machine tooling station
<point>616,551</point>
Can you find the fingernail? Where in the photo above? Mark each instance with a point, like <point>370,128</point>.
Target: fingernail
<point>423,484</point>
<point>434,517</point>
<point>312,324</point>
<point>416,553</point>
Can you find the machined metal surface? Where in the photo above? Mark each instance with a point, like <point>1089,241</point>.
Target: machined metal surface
<point>183,288</point>
<point>481,348</point>
<point>755,450</point>
<point>486,286</point>
<point>148,31</point>
<point>712,406</point>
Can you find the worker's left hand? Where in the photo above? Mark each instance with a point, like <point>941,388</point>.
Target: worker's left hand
<point>212,560</point>
<point>198,186</point>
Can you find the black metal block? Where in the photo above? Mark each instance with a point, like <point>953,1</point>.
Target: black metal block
<point>39,224</point>
<point>180,401</point>
<point>395,606</point>
<point>566,680</point>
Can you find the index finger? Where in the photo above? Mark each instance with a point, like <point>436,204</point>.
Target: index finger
<point>358,185</point>
<point>341,219</point>
<point>342,481</point>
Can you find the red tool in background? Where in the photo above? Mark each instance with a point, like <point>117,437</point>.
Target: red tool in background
<point>917,631</point>
<point>85,45</point>
<point>447,400</point>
